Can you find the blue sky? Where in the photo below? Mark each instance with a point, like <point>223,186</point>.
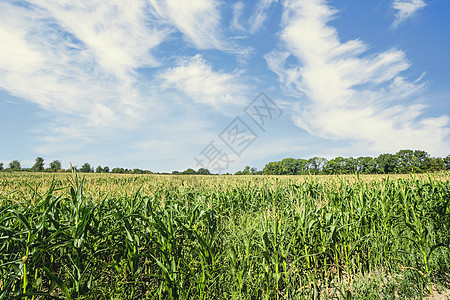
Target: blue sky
<point>153,84</point>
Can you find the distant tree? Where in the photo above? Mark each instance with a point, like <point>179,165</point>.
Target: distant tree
<point>175,172</point>
<point>386,163</point>
<point>238,173</point>
<point>1,166</point>
<point>38,165</point>
<point>246,170</point>
<point>350,165</point>
<point>423,160</point>
<point>335,166</point>
<point>290,166</point>
<point>203,171</point>
<point>15,165</point>
<point>55,166</point>
<point>99,169</point>
<point>407,162</point>
<point>86,168</point>
<point>447,162</point>
<point>366,165</point>
<point>118,170</point>
<point>436,164</point>
<point>138,171</point>
<point>106,169</point>
<point>316,164</point>
<point>189,172</point>
<point>253,170</point>
<point>273,168</point>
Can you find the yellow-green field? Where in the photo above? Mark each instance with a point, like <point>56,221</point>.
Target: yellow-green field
<point>97,236</point>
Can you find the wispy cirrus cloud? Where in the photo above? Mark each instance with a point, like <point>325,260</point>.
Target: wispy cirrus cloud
<point>198,20</point>
<point>238,9</point>
<point>77,59</point>
<point>116,32</point>
<point>197,79</point>
<point>406,9</point>
<point>256,20</point>
<point>260,15</point>
<point>351,95</point>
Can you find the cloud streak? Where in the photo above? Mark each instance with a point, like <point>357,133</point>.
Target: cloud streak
<point>351,95</point>
<point>77,59</point>
<point>197,79</point>
<point>260,15</point>
<point>198,20</point>
<point>406,9</point>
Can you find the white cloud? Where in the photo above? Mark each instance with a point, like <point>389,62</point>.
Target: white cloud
<point>256,20</point>
<point>196,78</point>
<point>352,96</point>
<point>238,8</point>
<point>116,32</point>
<point>406,9</point>
<point>77,59</point>
<point>198,20</point>
<point>260,15</point>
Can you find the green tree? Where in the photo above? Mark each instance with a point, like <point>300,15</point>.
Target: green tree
<point>273,168</point>
<point>86,168</point>
<point>106,169</point>
<point>407,162</point>
<point>138,171</point>
<point>335,166</point>
<point>99,169</point>
<point>386,163</point>
<point>38,165</point>
<point>189,172</point>
<point>316,164</point>
<point>118,170</point>
<point>246,170</point>
<point>55,166</point>
<point>15,165</point>
<point>366,165</point>
<point>203,171</point>
<point>292,166</point>
<point>447,162</point>
<point>1,166</point>
<point>423,159</point>
<point>350,165</point>
<point>436,164</point>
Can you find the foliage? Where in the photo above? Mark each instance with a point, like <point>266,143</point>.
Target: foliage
<point>38,165</point>
<point>86,168</point>
<point>118,170</point>
<point>447,162</point>
<point>403,162</point>
<point>189,172</point>
<point>203,171</point>
<point>55,166</point>
<point>14,165</point>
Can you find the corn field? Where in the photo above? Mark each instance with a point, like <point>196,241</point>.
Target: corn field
<point>223,237</point>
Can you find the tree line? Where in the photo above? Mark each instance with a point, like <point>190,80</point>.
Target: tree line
<point>55,166</point>
<point>404,161</point>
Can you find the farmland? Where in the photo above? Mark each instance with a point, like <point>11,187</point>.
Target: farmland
<point>97,236</point>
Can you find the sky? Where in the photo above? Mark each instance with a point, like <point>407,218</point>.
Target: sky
<point>175,84</point>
